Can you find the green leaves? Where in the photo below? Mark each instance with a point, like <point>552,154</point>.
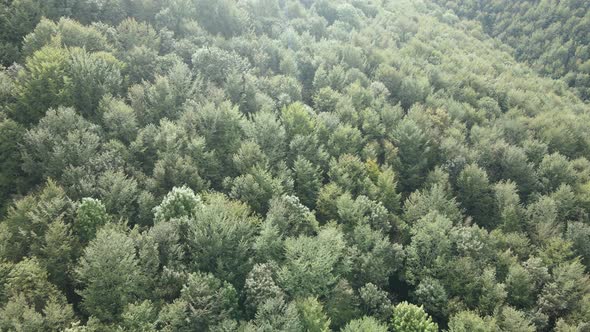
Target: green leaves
<point>313,264</point>
<point>63,140</point>
<point>109,274</point>
<point>469,321</point>
<point>90,216</point>
<point>312,316</point>
<point>365,324</point>
<point>476,196</point>
<point>267,165</point>
<point>208,300</point>
<point>57,76</point>
<point>34,304</point>
<point>90,77</point>
<point>44,85</point>
<point>411,318</point>
<point>178,203</point>
<point>220,238</point>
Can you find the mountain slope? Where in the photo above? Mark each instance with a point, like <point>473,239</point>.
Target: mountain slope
<point>552,36</point>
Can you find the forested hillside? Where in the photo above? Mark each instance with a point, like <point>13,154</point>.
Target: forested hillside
<point>289,165</point>
<point>553,36</point>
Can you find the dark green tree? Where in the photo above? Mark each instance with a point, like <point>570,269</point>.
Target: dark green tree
<point>109,274</point>
<point>476,196</point>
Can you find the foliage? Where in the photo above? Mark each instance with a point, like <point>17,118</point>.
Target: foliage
<point>409,317</point>
<point>365,324</point>
<point>294,165</point>
<point>110,275</point>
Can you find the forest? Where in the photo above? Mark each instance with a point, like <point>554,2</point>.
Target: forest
<point>550,35</point>
<point>295,165</point>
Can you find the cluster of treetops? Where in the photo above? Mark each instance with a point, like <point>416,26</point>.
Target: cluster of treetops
<point>294,165</point>
<point>552,36</point>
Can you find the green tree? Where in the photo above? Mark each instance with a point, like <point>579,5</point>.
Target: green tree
<point>220,239</point>
<point>509,207</point>
<point>385,190</point>
<point>342,304</point>
<point>326,205</point>
<point>29,219</point>
<point>290,217</point>
<point>325,99</point>
<point>430,247</point>
<point>476,196</point>
<point>365,324</point>
<point>17,19</point>
<point>221,128</point>
<point>436,199</point>
<point>90,77</point>
<point>62,140</point>
<point>66,77</point>
<point>165,95</point>
<point>66,33</point>
<point>174,156</point>
<point>313,265</point>
<point>269,244</point>
<point>414,154</point>
<point>119,193</point>
<point>58,254</point>
<point>433,296</point>
<point>248,157</point>
<point>566,289</point>
<point>29,279</point>
<point>220,17</point>
<point>139,316</point>
<point>298,119</point>
<point>267,131</point>
<point>111,11</point>
<point>374,257</point>
<point>255,188</point>
<point>276,315</point>
<point>307,181</point>
<point>18,315</point>
<point>390,77</point>
<point>555,170</point>
<point>469,321</point>
<point>174,316</point>
<point>118,119</point>
<point>215,64</point>
<point>11,179</point>
<point>109,274</point>
<point>208,300</point>
<point>363,211</point>
<point>344,139</point>
<point>520,286</point>
<point>515,166</point>
<point>91,215</point>
<point>260,286</point>
<point>578,234</point>
<point>375,302</point>
<point>350,173</point>
<point>34,304</point>
<point>132,33</point>
<point>313,319</point>
<point>409,317</point>
<point>512,320</point>
<point>43,85</point>
<point>178,203</point>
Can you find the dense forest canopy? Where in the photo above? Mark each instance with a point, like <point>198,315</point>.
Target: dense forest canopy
<point>553,36</point>
<point>294,165</point>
